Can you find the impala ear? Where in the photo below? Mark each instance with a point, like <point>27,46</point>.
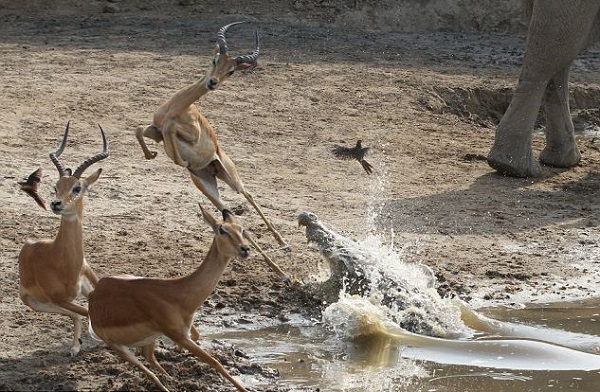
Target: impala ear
<point>92,178</point>
<point>244,66</point>
<point>208,218</point>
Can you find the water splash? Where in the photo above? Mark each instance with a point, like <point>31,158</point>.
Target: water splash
<point>398,292</point>
<point>377,188</point>
<point>388,299</point>
<point>400,305</point>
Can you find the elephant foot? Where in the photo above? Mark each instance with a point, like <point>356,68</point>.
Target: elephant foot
<point>557,158</point>
<point>509,165</point>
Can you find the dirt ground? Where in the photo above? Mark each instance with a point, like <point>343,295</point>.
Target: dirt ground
<point>425,97</point>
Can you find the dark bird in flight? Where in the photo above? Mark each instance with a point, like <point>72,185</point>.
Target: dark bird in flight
<point>357,152</point>
<point>30,185</point>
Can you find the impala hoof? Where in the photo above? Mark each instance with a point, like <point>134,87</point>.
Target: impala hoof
<point>295,283</point>
<point>74,351</point>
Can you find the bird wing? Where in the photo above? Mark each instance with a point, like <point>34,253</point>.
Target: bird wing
<point>30,184</point>
<point>342,152</point>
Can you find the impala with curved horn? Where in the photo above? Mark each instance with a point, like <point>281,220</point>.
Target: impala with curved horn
<point>54,272</point>
<point>132,311</point>
<point>190,141</point>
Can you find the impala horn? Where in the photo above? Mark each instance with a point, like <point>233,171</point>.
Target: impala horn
<point>244,59</point>
<point>96,158</point>
<point>62,171</point>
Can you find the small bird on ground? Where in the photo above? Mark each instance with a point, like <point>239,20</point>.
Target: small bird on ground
<point>30,184</point>
<point>357,152</point>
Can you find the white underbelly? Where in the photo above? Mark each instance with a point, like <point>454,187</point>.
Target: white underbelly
<point>196,156</point>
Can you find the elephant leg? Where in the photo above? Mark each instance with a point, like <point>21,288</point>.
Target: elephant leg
<point>556,35</point>
<point>511,153</point>
<point>561,149</point>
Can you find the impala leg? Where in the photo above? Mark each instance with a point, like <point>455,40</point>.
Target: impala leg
<point>88,280</point>
<point>250,199</point>
<point>150,132</point>
<point>74,311</point>
<point>170,144</point>
<point>226,171</point>
<point>76,345</point>
<point>270,262</point>
<point>89,274</point>
<point>207,183</point>
<point>71,310</point>
<point>125,353</point>
<point>148,353</point>
<point>195,337</point>
<point>194,333</point>
<point>187,343</point>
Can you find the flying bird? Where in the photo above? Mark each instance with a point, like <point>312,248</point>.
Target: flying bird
<point>357,152</point>
<point>30,185</point>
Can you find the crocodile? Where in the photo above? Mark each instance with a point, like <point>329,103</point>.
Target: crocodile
<point>356,271</point>
<point>418,310</point>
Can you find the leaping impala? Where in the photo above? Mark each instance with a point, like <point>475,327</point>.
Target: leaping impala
<point>130,311</point>
<point>53,273</point>
<point>190,141</point>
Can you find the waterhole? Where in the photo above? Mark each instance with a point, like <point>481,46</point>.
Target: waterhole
<point>399,334</point>
<point>309,357</point>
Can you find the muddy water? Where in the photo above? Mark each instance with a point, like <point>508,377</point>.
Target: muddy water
<point>309,357</point>
<point>359,346</point>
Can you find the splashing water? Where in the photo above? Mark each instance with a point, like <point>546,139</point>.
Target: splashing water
<point>420,321</point>
<point>377,188</point>
<point>353,316</point>
<point>397,302</point>
<point>398,292</point>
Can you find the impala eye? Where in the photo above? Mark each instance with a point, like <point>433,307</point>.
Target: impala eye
<point>77,189</point>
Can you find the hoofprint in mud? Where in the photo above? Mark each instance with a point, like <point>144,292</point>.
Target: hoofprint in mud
<point>404,305</point>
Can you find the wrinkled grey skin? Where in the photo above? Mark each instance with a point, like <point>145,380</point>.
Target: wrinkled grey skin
<point>558,31</point>
<point>342,263</point>
<point>415,310</point>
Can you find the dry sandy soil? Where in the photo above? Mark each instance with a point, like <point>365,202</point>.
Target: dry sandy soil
<point>426,97</point>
